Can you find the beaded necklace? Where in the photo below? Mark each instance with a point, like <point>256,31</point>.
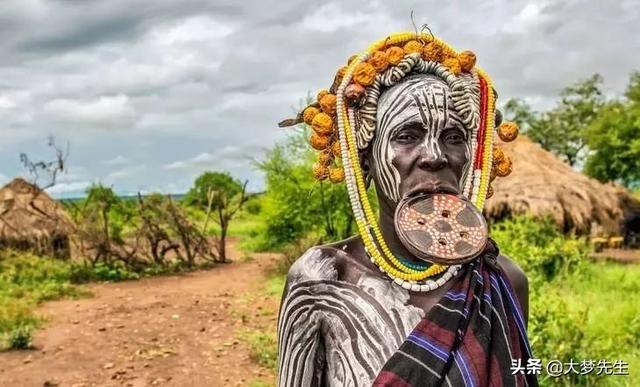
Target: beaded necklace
<point>420,266</point>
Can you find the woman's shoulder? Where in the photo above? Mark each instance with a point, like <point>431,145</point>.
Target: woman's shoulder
<point>324,262</point>
<point>514,272</point>
<point>317,263</point>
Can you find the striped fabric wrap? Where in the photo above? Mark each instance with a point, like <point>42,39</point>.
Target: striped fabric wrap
<point>468,338</point>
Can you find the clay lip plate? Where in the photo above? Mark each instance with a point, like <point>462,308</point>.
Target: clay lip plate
<point>441,228</point>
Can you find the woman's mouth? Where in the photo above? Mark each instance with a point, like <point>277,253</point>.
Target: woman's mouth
<point>433,188</point>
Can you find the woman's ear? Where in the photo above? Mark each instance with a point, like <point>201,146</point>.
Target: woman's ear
<point>498,119</point>
<point>365,164</point>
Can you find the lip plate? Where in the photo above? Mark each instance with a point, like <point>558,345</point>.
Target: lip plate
<point>415,249</point>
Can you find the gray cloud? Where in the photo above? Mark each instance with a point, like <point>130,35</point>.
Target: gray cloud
<point>138,86</point>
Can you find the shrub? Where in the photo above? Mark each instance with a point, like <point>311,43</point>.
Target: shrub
<point>20,337</point>
<point>115,271</point>
<point>542,251</point>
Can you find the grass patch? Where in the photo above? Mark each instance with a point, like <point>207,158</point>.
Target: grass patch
<point>260,383</point>
<point>25,281</point>
<point>274,285</point>
<point>263,347</point>
<point>259,334</point>
<point>609,293</point>
<point>246,258</point>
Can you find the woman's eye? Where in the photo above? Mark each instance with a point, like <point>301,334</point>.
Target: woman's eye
<point>454,136</point>
<point>406,137</point>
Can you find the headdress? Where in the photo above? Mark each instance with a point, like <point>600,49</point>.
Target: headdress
<point>343,120</point>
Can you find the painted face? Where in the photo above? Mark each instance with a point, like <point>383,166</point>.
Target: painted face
<point>421,143</point>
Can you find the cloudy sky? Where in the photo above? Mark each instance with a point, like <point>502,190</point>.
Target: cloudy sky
<point>151,93</point>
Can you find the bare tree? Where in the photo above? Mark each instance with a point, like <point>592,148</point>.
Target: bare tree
<point>49,168</point>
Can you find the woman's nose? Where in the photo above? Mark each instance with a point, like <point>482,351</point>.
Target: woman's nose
<point>432,161</point>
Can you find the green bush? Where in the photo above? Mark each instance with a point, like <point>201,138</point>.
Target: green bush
<point>542,251</point>
<point>113,272</point>
<point>20,337</point>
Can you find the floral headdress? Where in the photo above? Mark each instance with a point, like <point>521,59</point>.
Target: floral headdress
<point>343,120</point>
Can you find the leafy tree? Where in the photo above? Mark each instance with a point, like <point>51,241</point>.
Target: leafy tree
<point>520,112</point>
<point>221,182</point>
<point>295,204</point>
<point>221,194</point>
<point>562,129</point>
<point>614,139</point>
<point>633,89</point>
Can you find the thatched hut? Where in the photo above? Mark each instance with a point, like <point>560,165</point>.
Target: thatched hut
<point>31,220</point>
<point>541,184</point>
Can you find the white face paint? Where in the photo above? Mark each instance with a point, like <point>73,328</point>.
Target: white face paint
<point>419,99</point>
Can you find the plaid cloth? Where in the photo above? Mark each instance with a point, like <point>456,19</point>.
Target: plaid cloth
<point>468,338</point>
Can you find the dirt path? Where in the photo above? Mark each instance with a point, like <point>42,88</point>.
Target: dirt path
<point>619,255</point>
<point>167,331</point>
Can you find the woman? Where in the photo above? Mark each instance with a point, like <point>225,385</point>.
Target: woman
<point>395,305</point>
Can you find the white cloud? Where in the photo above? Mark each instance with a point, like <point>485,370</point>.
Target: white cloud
<point>107,112</point>
<point>193,29</point>
<point>330,17</point>
<point>118,160</point>
<point>125,172</point>
<point>63,188</point>
<point>6,102</point>
<point>528,17</point>
<point>201,160</point>
<point>223,158</point>
<point>72,173</point>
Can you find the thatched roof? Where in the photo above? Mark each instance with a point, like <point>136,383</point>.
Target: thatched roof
<point>29,216</point>
<point>541,184</point>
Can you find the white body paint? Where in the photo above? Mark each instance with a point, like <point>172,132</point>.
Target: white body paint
<point>334,333</point>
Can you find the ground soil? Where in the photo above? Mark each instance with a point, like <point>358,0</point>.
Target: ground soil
<point>169,331</point>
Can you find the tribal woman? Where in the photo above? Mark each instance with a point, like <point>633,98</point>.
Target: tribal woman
<point>421,297</point>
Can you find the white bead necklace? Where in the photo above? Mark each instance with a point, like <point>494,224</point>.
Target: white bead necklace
<point>427,285</point>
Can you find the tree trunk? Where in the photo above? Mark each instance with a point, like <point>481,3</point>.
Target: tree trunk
<point>223,243</point>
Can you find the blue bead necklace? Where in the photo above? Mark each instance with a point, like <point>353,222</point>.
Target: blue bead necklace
<point>413,265</point>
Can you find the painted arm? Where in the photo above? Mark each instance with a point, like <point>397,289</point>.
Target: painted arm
<point>300,345</point>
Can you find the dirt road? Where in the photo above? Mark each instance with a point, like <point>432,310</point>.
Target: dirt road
<point>165,331</point>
